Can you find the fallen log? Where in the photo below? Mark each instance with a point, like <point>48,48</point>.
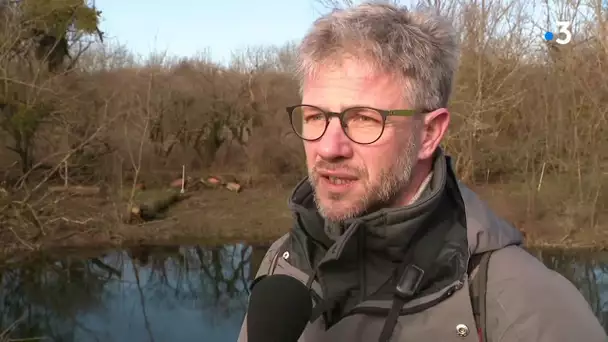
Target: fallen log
<point>76,190</point>
<point>154,208</point>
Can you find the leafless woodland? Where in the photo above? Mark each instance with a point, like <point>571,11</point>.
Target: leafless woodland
<point>529,125</point>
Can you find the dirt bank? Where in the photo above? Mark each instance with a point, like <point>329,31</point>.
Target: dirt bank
<point>254,215</point>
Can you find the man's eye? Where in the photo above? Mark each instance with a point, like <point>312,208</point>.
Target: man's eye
<point>314,117</point>
<point>364,116</point>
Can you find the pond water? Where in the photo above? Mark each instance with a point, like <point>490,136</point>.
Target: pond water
<point>176,293</point>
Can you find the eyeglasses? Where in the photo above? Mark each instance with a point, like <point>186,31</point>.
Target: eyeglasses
<point>362,125</point>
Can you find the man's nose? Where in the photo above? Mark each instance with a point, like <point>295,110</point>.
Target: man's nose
<point>335,144</point>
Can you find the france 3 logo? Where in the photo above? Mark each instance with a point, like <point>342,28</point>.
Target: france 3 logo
<point>563,35</point>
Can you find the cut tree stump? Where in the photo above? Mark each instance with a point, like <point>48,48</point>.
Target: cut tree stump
<point>233,187</point>
<point>214,180</point>
<point>227,181</point>
<point>211,182</point>
<point>178,183</point>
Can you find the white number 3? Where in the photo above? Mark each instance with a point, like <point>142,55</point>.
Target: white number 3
<point>564,34</point>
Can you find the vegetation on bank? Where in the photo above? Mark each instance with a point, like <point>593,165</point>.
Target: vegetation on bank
<point>528,131</point>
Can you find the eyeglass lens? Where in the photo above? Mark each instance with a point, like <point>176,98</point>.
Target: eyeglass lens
<point>362,125</point>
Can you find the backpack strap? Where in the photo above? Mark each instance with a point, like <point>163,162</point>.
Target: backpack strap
<point>478,289</point>
<point>281,249</point>
<point>268,270</point>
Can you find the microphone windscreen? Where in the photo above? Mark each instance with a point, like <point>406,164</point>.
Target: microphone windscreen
<point>279,309</point>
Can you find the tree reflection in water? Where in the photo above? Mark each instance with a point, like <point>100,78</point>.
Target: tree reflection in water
<point>142,294</point>
<point>172,293</point>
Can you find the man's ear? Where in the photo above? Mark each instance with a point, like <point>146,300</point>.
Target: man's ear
<point>435,125</point>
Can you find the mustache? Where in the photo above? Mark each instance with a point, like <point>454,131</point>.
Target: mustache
<point>332,166</point>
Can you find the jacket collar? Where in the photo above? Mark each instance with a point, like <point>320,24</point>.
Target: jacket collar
<point>386,231</point>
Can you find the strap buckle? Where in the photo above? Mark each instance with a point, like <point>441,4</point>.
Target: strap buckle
<point>410,281</point>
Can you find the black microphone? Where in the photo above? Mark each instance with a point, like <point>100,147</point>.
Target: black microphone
<point>279,309</point>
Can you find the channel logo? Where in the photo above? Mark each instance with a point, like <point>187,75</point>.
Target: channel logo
<point>563,35</point>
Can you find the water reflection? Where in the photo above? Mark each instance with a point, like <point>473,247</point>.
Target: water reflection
<point>588,271</point>
<point>176,293</point>
<point>144,294</point>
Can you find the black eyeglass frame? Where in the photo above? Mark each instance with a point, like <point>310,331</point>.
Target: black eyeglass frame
<point>340,115</point>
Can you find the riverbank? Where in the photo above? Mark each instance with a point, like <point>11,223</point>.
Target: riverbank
<point>254,215</point>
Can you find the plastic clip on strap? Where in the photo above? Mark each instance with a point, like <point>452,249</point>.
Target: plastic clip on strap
<point>406,289</point>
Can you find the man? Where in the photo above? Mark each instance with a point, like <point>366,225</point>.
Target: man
<point>384,235</point>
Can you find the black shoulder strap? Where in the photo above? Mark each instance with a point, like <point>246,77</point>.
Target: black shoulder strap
<point>411,276</point>
<point>477,289</point>
<point>274,259</point>
<point>278,254</point>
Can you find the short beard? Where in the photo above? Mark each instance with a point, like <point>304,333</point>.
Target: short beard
<point>381,194</point>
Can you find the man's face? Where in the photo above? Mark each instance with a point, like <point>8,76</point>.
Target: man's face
<point>350,178</point>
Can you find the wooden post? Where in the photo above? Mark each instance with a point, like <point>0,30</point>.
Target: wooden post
<point>183,179</point>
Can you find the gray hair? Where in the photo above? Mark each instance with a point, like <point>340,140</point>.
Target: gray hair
<point>419,48</point>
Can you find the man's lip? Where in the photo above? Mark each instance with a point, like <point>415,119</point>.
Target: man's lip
<point>337,174</point>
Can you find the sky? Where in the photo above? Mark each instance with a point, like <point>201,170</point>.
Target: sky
<point>184,28</point>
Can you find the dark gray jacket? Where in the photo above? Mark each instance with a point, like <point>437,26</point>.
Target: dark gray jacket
<point>353,276</point>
